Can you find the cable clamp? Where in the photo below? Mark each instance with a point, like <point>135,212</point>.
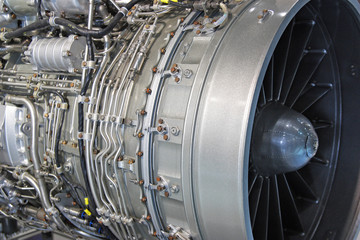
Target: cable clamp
<point>52,21</point>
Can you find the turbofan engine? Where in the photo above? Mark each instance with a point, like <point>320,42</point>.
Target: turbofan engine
<point>169,119</point>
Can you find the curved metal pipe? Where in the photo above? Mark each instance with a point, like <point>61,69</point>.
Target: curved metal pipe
<point>38,181</point>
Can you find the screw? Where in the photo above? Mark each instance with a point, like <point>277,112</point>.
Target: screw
<point>68,53</point>
<point>84,64</point>
<point>159,128</point>
<point>76,37</point>
<point>129,13</point>
<point>72,84</point>
<point>198,32</point>
<point>46,115</point>
<point>148,91</point>
<point>165,137</point>
<point>64,142</point>
<point>13,16</point>
<point>161,121</point>
<point>76,70</point>
<point>148,217</point>
<point>143,112</point>
<point>162,51</point>
<point>28,116</point>
<point>35,88</point>
<point>131,161</point>
<point>158,179</point>
<point>154,69</point>
<point>172,34</point>
<point>160,188</point>
<point>177,79</point>
<point>147,26</point>
<point>143,199</point>
<point>74,145</point>
<point>119,159</point>
<point>182,19</point>
<point>74,203</point>
<point>140,135</point>
<point>141,182</point>
<point>166,194</point>
<point>139,154</point>
<point>196,23</point>
<point>80,135</point>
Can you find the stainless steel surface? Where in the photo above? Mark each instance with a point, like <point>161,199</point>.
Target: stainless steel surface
<point>168,117</point>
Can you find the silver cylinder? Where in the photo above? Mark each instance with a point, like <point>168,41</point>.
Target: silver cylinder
<point>57,54</point>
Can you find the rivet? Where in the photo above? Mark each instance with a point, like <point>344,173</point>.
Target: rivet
<point>148,91</point>
<point>143,199</point>
<point>28,116</point>
<point>162,51</point>
<point>139,154</point>
<point>46,115</point>
<point>154,69</point>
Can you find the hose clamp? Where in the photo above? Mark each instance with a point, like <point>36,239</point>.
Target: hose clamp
<point>52,21</point>
<point>124,11</point>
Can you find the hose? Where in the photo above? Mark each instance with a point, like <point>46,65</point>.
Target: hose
<point>70,26</point>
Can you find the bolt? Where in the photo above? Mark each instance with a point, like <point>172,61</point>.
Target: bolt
<point>28,116</point>
<point>141,182</point>
<point>188,73</point>
<point>139,154</point>
<point>161,121</point>
<point>148,217</point>
<point>154,69</point>
<point>177,79</point>
<point>165,137</point>
<point>46,115</point>
<point>162,51</point>
<point>143,199</point>
<point>159,128</point>
<point>142,112</point>
<point>160,188</point>
<point>158,179</point>
<point>140,135</point>
<point>148,91</point>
